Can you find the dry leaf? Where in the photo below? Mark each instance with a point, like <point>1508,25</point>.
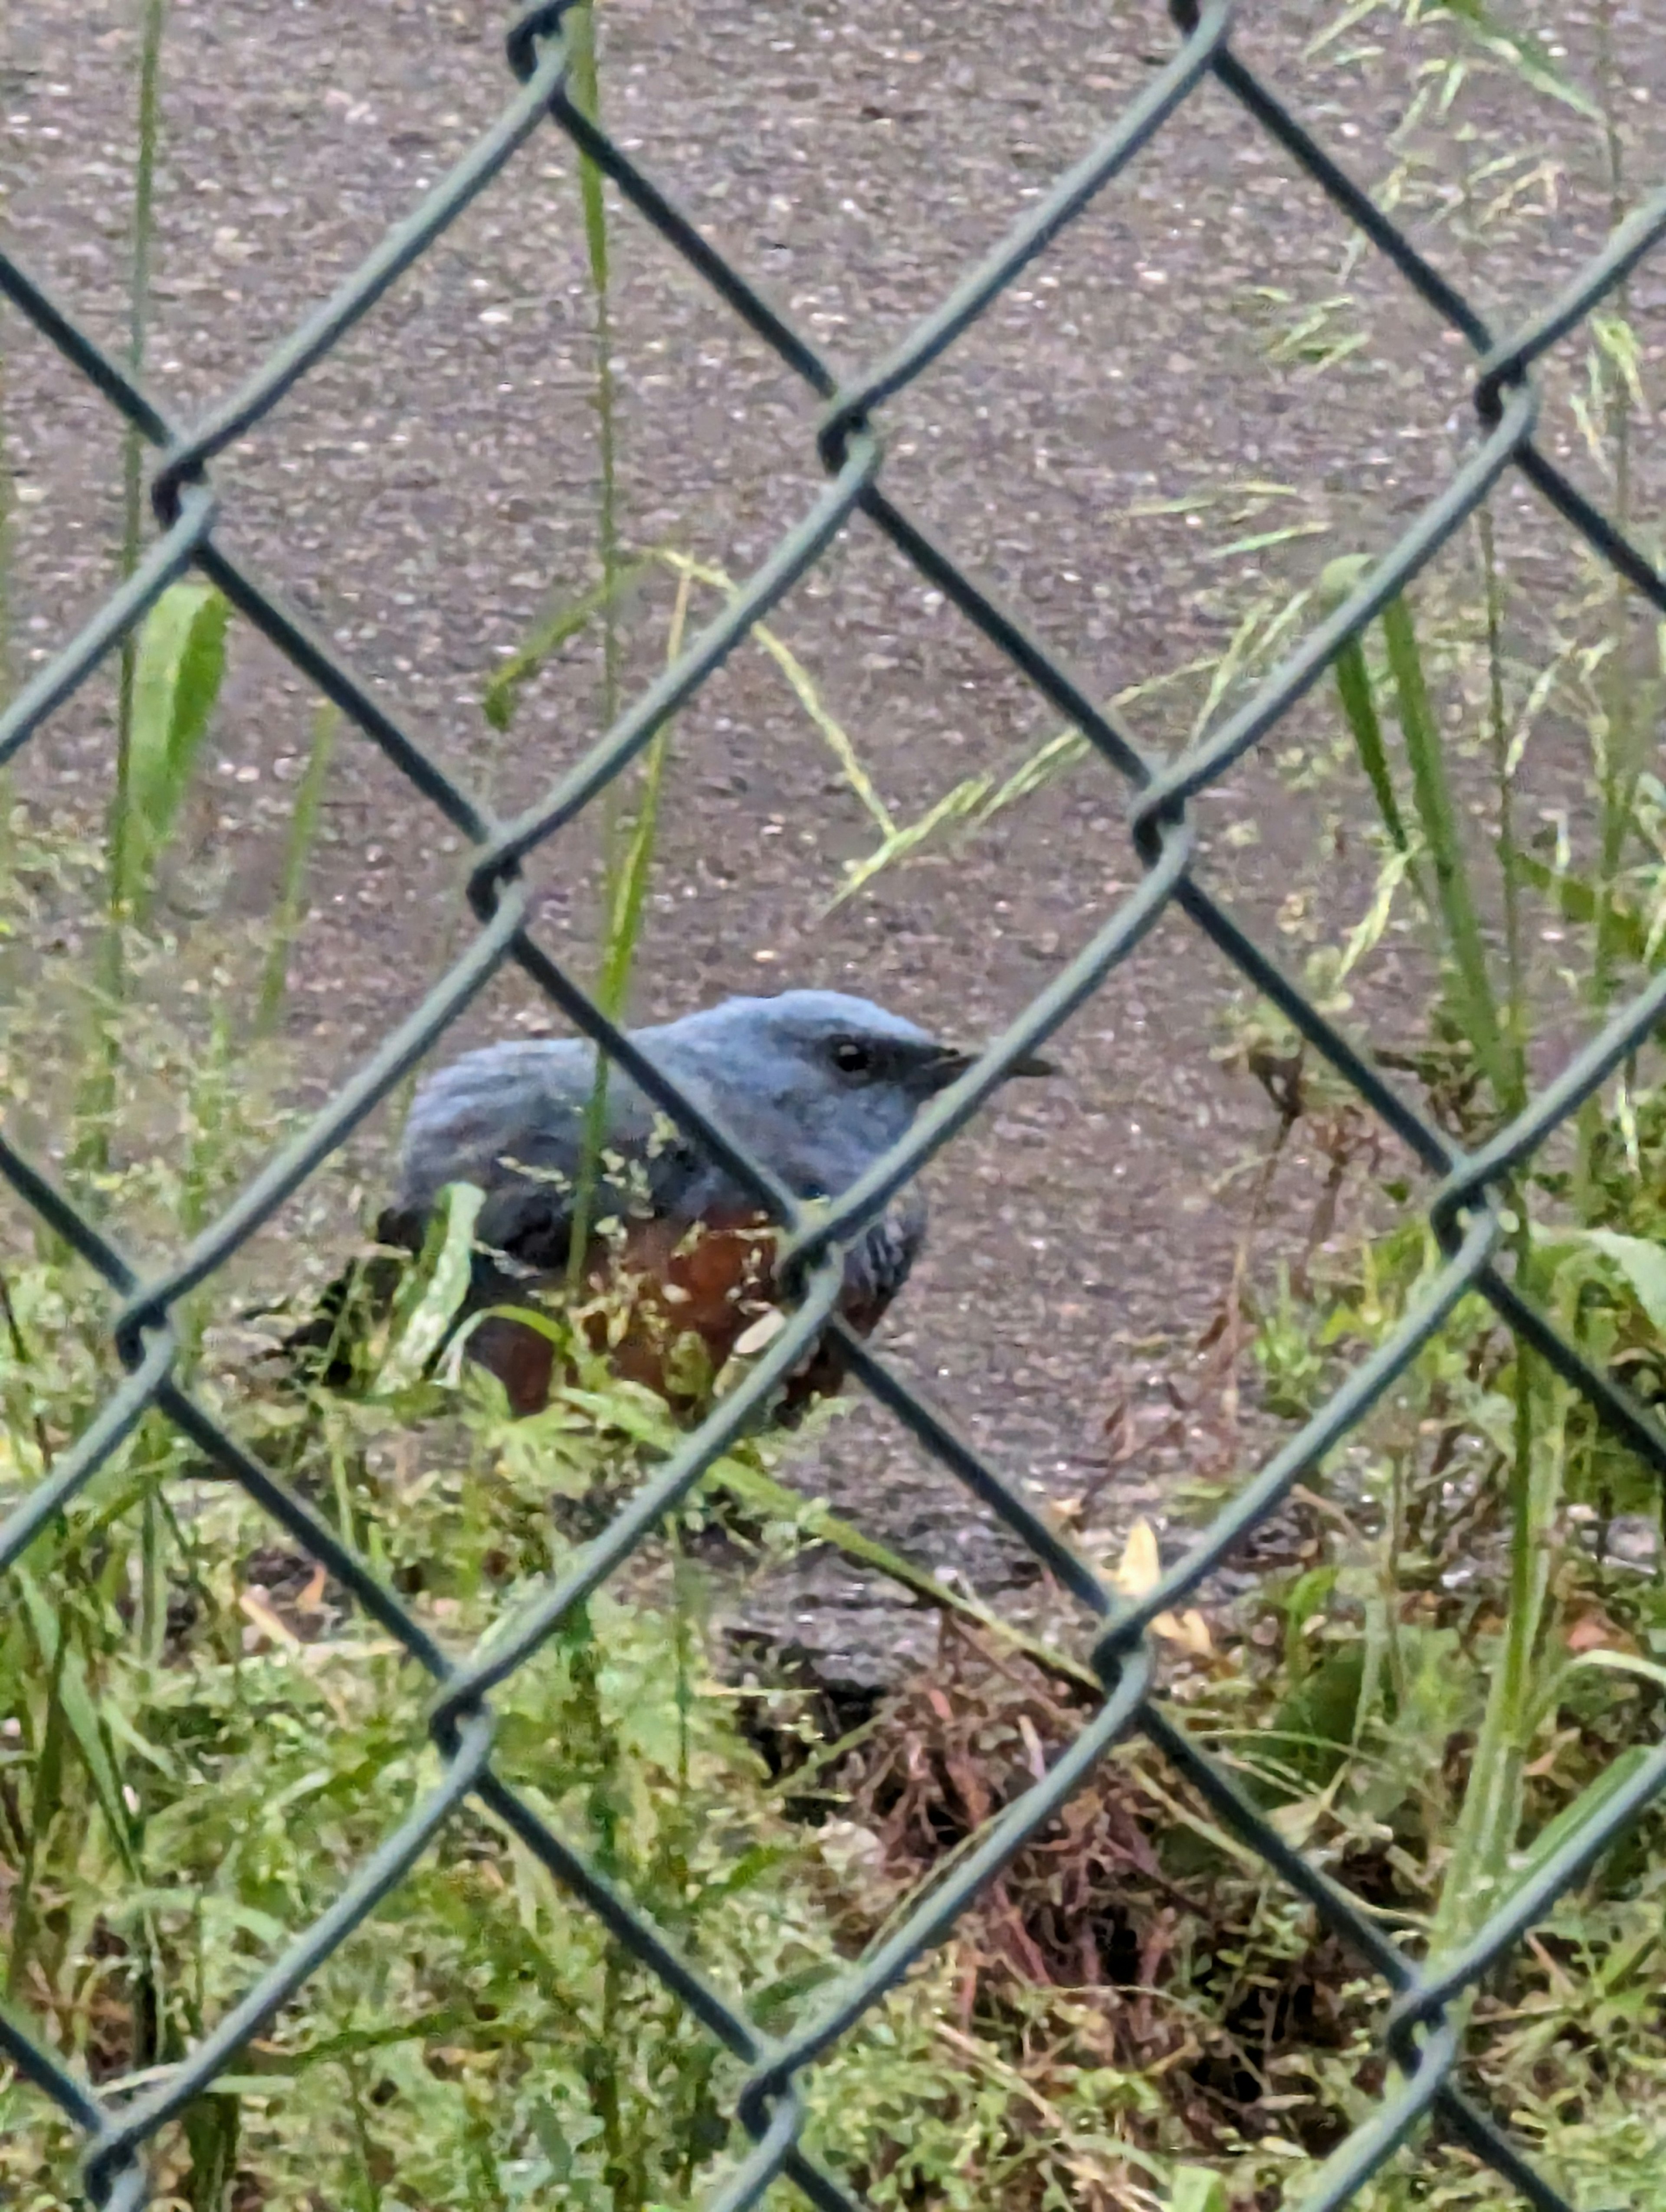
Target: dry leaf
<point>1032,1745</point>
<point>1142,1567</point>
<point>1189,1630</point>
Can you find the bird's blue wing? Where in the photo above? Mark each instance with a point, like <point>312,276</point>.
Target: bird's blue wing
<point>511,1119</point>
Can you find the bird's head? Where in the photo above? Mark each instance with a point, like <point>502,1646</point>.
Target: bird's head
<point>818,1084</point>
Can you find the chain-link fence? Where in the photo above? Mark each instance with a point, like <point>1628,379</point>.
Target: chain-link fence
<point>1424,2034</point>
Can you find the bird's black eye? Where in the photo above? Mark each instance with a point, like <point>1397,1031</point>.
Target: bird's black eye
<point>851,1056</point>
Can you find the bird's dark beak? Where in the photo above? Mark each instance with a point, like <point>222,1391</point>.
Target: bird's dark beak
<point>949,1063</point>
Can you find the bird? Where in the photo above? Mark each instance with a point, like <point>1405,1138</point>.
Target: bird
<point>679,1264</point>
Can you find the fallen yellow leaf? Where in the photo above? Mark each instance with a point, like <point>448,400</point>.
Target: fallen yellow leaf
<point>1189,1630</point>
<point>1141,1566</point>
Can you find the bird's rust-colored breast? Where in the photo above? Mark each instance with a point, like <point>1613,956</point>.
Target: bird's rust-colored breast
<point>646,1288</point>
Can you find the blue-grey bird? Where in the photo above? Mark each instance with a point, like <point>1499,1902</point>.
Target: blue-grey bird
<point>816,1084</point>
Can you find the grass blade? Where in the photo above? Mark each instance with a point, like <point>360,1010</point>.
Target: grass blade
<point>1437,816</point>
<point>1584,904</point>
<point>292,892</point>
<point>178,666</point>
<point>441,1284</point>
<point>1527,55</point>
<point>91,1146</point>
<point>579,30</point>
<point>1351,676</point>
<point>565,621</point>
<point>954,807</point>
<point>80,1713</point>
<point>626,897</point>
<point>801,683</point>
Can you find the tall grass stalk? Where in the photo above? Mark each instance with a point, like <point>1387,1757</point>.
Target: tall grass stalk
<point>1443,833</point>
<point>627,850</point>
<point>8,682</point>
<point>1623,734</point>
<point>92,1147</point>
<point>627,855</point>
<point>631,879</point>
<point>297,858</point>
<point>153,23</point>
<point>106,1050</point>
<point>587,97</point>
<point>1506,850</point>
<point>1490,1816</point>
<point>1489,1821</point>
<point>626,899</point>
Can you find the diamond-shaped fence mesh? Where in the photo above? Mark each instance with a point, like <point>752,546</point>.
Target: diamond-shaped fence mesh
<point>1425,2031</point>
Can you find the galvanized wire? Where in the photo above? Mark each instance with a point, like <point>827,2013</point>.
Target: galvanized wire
<point>1425,2031</point>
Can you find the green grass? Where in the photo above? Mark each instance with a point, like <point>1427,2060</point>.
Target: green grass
<point>208,1741</point>
<point>146,135</point>
<point>297,861</point>
<point>172,1813</point>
